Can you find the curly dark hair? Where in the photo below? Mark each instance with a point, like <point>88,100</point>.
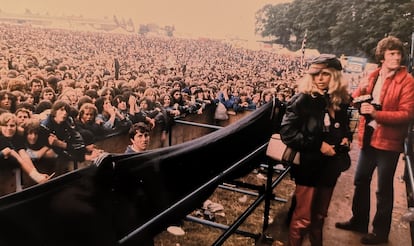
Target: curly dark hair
<point>138,127</point>
<point>388,43</point>
<point>12,97</point>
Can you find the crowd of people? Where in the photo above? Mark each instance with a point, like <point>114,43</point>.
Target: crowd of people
<point>60,89</point>
<point>67,87</point>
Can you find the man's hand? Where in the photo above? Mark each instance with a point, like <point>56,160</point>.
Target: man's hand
<point>368,109</point>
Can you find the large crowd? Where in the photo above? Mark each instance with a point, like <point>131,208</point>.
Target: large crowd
<point>62,88</point>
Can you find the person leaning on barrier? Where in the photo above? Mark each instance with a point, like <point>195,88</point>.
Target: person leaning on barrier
<point>86,124</point>
<point>22,115</point>
<point>243,103</point>
<point>109,116</point>
<point>35,147</point>
<point>168,107</point>
<point>168,111</point>
<point>382,129</point>
<point>178,101</point>
<point>265,97</point>
<point>316,123</point>
<point>120,102</point>
<point>12,148</point>
<point>135,114</point>
<point>226,96</point>
<point>59,130</point>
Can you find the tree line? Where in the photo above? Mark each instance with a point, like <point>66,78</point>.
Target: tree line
<point>350,27</point>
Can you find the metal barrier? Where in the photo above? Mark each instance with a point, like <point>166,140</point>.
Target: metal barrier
<point>409,176</point>
<point>263,194</point>
<point>408,156</point>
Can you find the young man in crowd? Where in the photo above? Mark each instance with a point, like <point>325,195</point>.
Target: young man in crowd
<point>139,135</point>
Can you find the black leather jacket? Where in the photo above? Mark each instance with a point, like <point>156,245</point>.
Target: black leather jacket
<point>66,132</point>
<point>302,128</point>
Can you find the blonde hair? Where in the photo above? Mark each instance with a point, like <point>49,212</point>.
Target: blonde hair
<point>16,84</point>
<point>6,117</point>
<point>337,88</point>
<point>151,92</point>
<point>31,125</point>
<point>87,106</point>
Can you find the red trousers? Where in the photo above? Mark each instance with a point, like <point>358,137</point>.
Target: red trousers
<point>312,205</point>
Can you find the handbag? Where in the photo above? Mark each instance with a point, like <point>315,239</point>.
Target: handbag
<point>278,151</point>
<point>342,161</point>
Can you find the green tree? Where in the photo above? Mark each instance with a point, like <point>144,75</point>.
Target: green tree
<point>349,27</point>
<point>273,22</point>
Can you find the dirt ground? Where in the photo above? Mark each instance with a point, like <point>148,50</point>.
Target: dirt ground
<point>235,203</point>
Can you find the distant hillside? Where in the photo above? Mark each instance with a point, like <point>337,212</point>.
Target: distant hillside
<point>69,22</point>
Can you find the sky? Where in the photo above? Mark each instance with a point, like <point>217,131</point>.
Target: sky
<point>209,18</point>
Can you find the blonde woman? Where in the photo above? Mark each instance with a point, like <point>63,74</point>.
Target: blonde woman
<point>316,123</point>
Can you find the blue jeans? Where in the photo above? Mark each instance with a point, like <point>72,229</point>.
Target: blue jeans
<point>386,164</point>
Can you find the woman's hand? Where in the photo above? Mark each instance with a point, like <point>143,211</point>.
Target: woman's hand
<point>327,149</point>
<point>345,141</point>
